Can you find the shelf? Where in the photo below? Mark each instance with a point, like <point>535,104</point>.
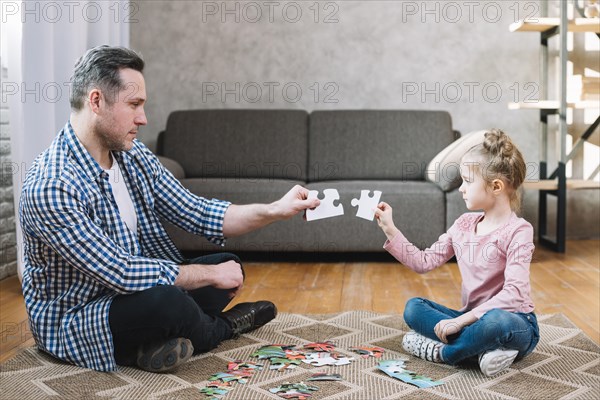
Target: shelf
<point>549,105</point>
<point>590,85</point>
<point>552,184</point>
<point>545,24</point>
<point>548,184</point>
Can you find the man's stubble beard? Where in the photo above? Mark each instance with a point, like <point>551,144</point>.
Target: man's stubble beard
<point>103,131</point>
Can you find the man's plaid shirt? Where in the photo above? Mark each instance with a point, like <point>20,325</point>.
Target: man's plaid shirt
<point>79,254</point>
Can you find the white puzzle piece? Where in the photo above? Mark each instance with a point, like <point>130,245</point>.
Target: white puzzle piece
<point>321,359</point>
<point>366,204</point>
<point>326,209</point>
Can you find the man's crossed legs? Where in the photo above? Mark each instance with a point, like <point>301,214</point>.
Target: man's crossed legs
<point>160,328</point>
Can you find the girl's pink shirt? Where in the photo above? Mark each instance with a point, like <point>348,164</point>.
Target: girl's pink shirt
<point>494,267</point>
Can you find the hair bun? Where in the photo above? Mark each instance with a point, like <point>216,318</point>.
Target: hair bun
<point>498,143</point>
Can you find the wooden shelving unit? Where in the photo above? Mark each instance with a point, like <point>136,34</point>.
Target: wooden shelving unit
<point>550,105</point>
<point>552,184</point>
<point>555,183</point>
<point>545,24</point>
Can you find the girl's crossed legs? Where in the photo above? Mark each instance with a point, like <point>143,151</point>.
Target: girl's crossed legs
<point>495,329</point>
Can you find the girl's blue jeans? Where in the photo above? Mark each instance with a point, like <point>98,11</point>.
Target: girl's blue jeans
<point>495,329</point>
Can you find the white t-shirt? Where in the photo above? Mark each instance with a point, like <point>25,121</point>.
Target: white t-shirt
<point>122,196</point>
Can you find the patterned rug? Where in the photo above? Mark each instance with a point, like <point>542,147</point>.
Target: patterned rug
<point>565,365</point>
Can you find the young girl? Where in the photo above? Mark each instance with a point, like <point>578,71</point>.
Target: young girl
<point>493,248</point>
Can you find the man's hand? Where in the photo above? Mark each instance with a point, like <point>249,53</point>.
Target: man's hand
<point>293,202</point>
<point>227,275</point>
<point>241,219</point>
<point>383,214</point>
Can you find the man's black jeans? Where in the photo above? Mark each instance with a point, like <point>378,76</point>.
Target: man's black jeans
<point>160,313</point>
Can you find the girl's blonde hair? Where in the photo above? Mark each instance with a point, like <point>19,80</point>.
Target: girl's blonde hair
<point>500,159</point>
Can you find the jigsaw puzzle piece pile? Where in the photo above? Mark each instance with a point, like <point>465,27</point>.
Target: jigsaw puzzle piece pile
<point>395,369</point>
<point>317,354</point>
<point>222,383</point>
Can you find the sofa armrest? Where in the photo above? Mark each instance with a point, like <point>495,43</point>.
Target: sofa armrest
<point>173,166</point>
<point>160,144</point>
<point>444,168</point>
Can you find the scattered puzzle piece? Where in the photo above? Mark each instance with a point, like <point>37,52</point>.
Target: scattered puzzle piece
<point>219,384</point>
<point>211,391</point>
<point>294,355</point>
<point>366,204</point>
<point>269,352</point>
<point>391,366</point>
<point>283,363</point>
<point>227,377</point>
<point>243,366</point>
<point>294,390</point>
<point>323,376</point>
<point>395,369</point>
<point>320,359</point>
<point>326,209</point>
<point>366,351</point>
<point>320,346</point>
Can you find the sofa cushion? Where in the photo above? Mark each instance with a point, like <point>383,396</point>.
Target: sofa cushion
<point>444,168</point>
<point>372,144</point>
<point>242,144</point>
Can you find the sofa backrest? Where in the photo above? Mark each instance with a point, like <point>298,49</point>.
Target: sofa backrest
<point>375,144</point>
<point>238,143</point>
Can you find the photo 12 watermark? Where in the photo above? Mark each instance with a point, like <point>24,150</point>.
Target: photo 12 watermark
<point>251,172</point>
<point>15,332</point>
<point>11,171</point>
<point>69,11</point>
<point>470,92</point>
<point>448,172</point>
<point>265,171</point>
<point>318,12</point>
<point>488,253</point>
<point>54,92</point>
<point>269,92</point>
<point>453,12</point>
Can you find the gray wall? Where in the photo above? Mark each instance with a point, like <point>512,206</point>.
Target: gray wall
<point>351,55</point>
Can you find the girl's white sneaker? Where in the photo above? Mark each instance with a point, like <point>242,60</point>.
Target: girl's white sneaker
<point>493,362</point>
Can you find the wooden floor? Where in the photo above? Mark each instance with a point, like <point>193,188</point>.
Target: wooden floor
<point>561,283</point>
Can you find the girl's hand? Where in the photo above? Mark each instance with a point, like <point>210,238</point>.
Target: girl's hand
<point>383,214</point>
<point>448,327</point>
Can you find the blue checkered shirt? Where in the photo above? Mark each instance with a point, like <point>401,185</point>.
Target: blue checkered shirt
<point>79,254</point>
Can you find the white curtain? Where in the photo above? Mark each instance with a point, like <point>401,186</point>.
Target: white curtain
<point>45,40</point>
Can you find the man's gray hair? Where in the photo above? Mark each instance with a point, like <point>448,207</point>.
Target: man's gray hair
<point>99,68</point>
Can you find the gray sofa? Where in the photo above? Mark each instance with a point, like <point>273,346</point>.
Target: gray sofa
<point>249,156</point>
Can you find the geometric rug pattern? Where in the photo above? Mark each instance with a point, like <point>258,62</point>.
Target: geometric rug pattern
<point>565,365</point>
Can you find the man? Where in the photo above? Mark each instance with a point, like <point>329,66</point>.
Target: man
<point>103,282</point>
